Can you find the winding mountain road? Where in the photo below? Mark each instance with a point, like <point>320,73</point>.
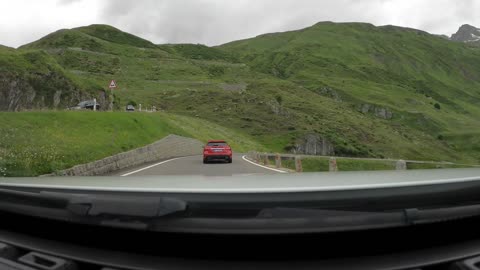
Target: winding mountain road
<point>193,165</point>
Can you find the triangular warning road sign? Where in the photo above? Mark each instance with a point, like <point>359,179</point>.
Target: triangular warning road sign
<point>113,84</point>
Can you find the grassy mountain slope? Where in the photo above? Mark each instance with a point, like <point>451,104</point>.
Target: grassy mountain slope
<point>358,57</point>
<point>198,52</point>
<point>342,82</point>
<point>112,34</point>
<point>404,71</point>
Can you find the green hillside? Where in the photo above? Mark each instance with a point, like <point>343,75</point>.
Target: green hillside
<point>364,90</point>
<point>198,52</point>
<point>112,34</point>
<point>425,82</point>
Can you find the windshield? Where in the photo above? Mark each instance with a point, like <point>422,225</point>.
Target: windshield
<point>256,97</point>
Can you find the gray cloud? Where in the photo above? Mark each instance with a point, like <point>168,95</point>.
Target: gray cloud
<point>67,2</point>
<point>218,21</point>
<point>215,22</point>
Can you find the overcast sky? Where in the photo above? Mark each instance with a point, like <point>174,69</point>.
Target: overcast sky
<point>214,22</point>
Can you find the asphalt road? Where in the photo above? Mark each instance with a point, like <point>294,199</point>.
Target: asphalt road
<point>194,166</point>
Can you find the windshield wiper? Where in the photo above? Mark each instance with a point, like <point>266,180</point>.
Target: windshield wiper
<point>338,220</point>
<point>111,210</point>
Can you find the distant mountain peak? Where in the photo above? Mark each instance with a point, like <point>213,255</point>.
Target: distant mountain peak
<point>92,37</point>
<point>468,34</point>
<point>112,34</point>
<point>468,27</point>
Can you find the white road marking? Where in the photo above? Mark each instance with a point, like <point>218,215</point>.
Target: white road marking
<point>151,166</point>
<point>265,167</point>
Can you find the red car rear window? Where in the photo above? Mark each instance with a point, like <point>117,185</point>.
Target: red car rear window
<point>217,144</point>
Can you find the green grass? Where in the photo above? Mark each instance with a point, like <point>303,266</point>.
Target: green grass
<point>198,52</point>
<point>322,165</point>
<point>315,165</point>
<point>111,34</point>
<point>427,166</point>
<point>35,143</point>
<point>308,164</point>
<point>465,142</point>
<point>364,165</point>
<point>289,164</point>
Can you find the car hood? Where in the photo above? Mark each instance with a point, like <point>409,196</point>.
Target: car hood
<point>306,182</point>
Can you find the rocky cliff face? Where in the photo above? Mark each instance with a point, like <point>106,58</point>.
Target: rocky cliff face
<point>313,144</point>
<point>33,80</point>
<point>40,91</point>
<point>380,112</point>
<point>467,34</point>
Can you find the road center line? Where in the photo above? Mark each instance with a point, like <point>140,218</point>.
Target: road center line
<point>151,166</point>
<point>265,167</point>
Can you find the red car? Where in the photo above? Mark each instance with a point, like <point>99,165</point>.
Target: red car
<point>217,150</point>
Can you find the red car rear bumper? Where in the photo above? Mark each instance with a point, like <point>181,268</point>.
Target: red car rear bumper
<point>213,156</point>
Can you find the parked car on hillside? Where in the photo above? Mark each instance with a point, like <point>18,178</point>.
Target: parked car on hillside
<point>217,150</point>
<point>130,108</point>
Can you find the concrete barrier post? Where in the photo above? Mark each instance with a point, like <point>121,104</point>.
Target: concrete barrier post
<point>278,161</point>
<point>332,165</point>
<point>265,159</point>
<point>298,164</point>
<point>401,165</point>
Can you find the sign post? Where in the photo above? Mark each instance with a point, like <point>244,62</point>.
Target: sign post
<point>112,86</point>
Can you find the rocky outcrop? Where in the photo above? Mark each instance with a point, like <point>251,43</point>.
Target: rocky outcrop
<point>380,112</point>
<point>313,144</point>
<point>329,92</point>
<point>277,108</point>
<point>11,96</point>
<point>383,113</point>
<point>467,34</point>
<point>57,98</point>
<point>40,91</point>
<point>235,87</point>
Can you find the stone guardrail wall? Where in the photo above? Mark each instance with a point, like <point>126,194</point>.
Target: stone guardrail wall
<point>263,158</point>
<point>169,147</point>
